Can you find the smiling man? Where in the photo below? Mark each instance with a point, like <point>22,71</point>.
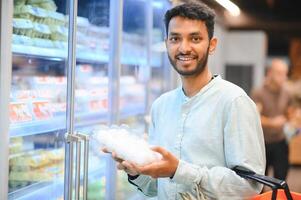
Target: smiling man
<point>205,127</point>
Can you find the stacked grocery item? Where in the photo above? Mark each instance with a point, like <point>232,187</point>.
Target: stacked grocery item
<point>42,99</point>
<point>37,98</point>
<point>35,166</point>
<point>36,23</point>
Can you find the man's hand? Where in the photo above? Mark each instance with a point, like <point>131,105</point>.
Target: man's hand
<point>278,121</point>
<point>166,167</point>
<point>122,164</point>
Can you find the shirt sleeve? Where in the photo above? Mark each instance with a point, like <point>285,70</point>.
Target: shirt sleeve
<point>243,146</point>
<point>145,184</point>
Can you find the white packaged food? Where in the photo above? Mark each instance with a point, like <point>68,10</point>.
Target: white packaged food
<point>127,146</point>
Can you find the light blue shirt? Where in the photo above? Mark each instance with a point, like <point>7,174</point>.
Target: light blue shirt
<point>210,133</point>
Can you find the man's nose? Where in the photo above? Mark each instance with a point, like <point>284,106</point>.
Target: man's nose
<point>185,46</point>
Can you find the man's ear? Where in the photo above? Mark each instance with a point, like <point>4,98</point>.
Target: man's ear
<point>212,45</point>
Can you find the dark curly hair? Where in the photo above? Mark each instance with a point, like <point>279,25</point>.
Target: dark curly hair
<point>194,11</point>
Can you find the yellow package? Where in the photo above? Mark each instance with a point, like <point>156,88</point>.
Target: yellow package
<point>55,18</point>
<point>47,5</point>
<point>41,31</point>
<point>35,14</point>
<point>22,27</point>
<point>59,33</point>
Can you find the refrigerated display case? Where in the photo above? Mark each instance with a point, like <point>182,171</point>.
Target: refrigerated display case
<point>108,68</point>
<point>37,110</point>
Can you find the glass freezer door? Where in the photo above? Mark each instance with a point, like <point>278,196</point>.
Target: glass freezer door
<point>91,87</point>
<point>37,109</point>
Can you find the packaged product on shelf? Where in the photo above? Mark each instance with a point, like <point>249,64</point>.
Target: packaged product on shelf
<point>98,32</point>
<point>22,27</point>
<point>28,161</point>
<point>45,4</point>
<point>58,108</point>
<point>42,110</point>
<point>82,39</point>
<point>19,112</point>
<point>55,18</point>
<point>55,155</point>
<point>19,179</point>
<point>59,33</point>
<point>15,140</point>
<point>82,24</point>
<point>35,14</point>
<point>60,44</point>
<point>29,176</point>
<point>98,38</point>
<point>41,31</point>
<point>44,43</point>
<point>19,2</point>
<point>22,40</point>
<point>15,148</point>
<point>98,105</point>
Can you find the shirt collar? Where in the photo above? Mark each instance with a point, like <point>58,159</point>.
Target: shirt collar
<point>184,98</point>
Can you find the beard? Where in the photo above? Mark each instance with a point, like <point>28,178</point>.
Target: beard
<point>200,66</point>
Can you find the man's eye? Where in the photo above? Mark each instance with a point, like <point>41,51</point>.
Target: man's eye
<point>196,39</point>
<point>173,39</point>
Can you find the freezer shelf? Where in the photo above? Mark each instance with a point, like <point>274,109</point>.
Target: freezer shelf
<point>81,55</point>
<point>58,122</point>
<point>37,191</point>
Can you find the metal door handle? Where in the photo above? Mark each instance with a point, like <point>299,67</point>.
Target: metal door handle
<point>85,138</point>
<point>70,140</point>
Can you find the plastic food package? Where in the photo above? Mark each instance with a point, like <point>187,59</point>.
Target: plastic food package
<point>41,31</point>
<point>82,24</point>
<point>35,14</point>
<point>59,33</point>
<point>19,2</point>
<point>127,146</point>
<point>22,27</point>
<point>47,5</point>
<point>22,40</point>
<point>44,43</point>
<point>55,18</point>
<point>60,44</point>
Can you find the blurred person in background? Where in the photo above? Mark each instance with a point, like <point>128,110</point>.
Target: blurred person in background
<point>273,101</point>
<point>202,129</point>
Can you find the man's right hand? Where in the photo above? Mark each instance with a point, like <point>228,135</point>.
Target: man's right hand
<point>122,164</point>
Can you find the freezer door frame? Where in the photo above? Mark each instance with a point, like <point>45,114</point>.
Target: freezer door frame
<point>6,13</point>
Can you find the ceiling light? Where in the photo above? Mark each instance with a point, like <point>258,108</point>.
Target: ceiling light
<point>230,6</point>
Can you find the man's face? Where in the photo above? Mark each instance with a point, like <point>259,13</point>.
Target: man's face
<point>188,45</point>
<point>278,73</point>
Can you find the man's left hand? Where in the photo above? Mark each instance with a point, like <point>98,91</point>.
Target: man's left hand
<point>166,167</point>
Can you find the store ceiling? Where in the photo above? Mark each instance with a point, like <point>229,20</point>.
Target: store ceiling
<point>280,19</point>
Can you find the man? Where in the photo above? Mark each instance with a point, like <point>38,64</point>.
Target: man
<point>273,100</point>
<point>202,129</point>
